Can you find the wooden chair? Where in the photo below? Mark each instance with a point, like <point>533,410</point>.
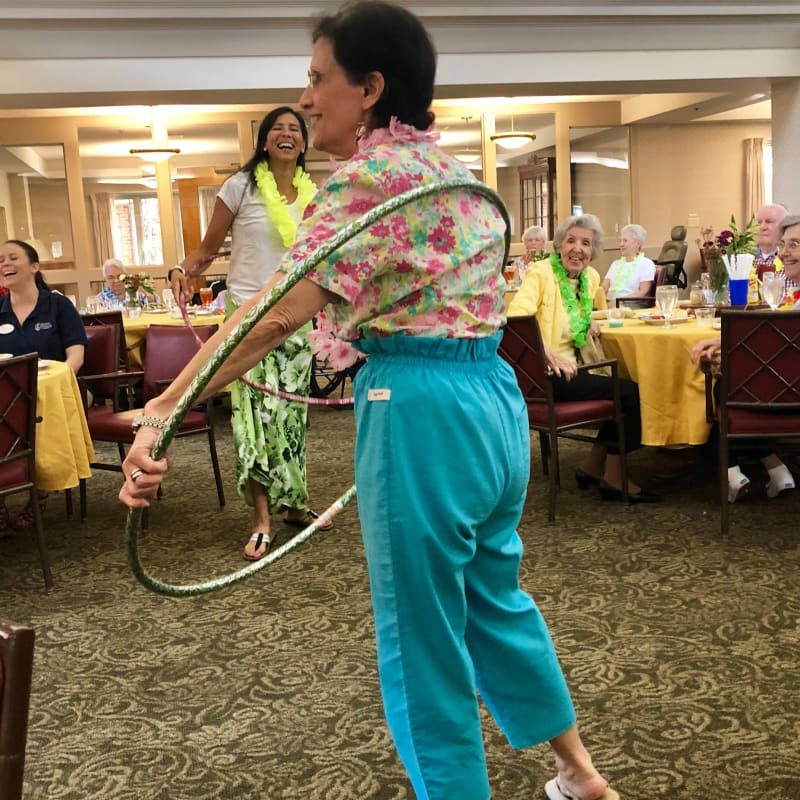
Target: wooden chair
<point>759,385</point>
<point>103,382</point>
<point>18,384</point>
<point>16,669</point>
<point>522,347</point>
<point>168,349</point>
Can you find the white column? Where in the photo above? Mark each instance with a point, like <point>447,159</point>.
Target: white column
<point>786,143</point>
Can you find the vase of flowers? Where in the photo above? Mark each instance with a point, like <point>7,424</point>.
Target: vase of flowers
<point>711,258</point>
<point>739,245</point>
<point>135,286</point>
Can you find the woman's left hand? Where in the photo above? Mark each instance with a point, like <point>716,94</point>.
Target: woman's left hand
<point>594,330</point>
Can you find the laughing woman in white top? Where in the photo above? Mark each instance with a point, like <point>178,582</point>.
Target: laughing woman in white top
<point>634,273</point>
<point>261,205</point>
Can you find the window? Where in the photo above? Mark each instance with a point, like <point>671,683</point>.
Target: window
<point>136,229</point>
<point>537,200</point>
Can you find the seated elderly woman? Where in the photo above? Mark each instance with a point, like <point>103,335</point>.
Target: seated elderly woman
<point>534,239</point>
<point>706,354</point>
<point>634,273</point>
<point>561,291</point>
<point>789,254</point>
<point>113,293</point>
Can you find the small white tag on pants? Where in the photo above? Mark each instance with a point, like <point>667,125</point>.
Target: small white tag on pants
<point>379,394</point>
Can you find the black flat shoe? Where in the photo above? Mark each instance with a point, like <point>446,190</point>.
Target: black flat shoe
<point>585,480</point>
<point>609,492</point>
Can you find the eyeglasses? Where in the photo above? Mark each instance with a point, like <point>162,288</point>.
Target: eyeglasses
<point>792,244</point>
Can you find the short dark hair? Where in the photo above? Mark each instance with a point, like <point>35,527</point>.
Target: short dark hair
<point>33,257</point>
<point>264,128</point>
<point>375,36</point>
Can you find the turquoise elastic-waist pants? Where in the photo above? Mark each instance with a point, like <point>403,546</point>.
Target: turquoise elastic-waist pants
<point>442,463</point>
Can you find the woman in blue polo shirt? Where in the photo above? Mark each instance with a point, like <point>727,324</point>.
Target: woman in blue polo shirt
<point>32,318</point>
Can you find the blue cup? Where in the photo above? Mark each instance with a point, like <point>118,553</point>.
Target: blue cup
<point>738,291</point>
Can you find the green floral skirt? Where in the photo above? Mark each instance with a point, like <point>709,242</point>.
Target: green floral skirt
<point>269,433</point>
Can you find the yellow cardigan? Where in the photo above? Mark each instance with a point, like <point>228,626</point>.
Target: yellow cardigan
<point>539,296</point>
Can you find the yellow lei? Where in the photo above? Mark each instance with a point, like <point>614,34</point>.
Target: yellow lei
<point>275,203</point>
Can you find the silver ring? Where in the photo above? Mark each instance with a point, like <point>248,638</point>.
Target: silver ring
<point>135,473</point>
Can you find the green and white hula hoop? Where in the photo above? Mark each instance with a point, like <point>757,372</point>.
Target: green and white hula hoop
<point>192,393</point>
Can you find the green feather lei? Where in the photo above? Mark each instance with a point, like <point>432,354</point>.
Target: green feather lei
<point>275,203</point>
<point>579,309</point>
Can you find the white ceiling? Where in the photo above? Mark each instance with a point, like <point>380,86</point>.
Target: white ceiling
<point>677,63</point>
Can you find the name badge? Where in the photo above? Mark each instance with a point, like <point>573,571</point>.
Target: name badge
<point>6,327</point>
<point>378,394</point>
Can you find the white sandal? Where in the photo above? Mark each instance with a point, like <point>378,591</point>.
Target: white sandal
<point>554,792</point>
<point>261,540</point>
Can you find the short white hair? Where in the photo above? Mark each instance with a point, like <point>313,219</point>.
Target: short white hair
<point>112,262</point>
<point>637,232</point>
<point>534,230</point>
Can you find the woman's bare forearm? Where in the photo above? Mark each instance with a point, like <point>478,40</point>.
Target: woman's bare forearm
<point>296,308</point>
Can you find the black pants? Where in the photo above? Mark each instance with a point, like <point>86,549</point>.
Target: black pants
<point>585,386</point>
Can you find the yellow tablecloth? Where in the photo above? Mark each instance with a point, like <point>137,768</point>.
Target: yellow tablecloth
<point>63,446</point>
<point>671,388</point>
<point>136,330</point>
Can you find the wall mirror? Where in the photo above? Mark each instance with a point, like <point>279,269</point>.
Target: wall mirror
<point>33,195</point>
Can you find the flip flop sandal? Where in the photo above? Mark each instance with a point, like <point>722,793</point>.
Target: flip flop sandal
<point>260,540</point>
<point>306,520</point>
<point>554,792</point>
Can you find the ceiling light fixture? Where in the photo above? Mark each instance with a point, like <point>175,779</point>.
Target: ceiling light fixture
<point>154,154</point>
<point>512,139</point>
<point>469,155</point>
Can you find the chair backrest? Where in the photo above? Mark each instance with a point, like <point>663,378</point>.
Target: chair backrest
<point>678,233</point>
<point>16,668</point>
<point>168,349</point>
<point>759,360</point>
<point>521,346</point>
<point>660,278</point>
<point>18,383</point>
<point>110,318</point>
<point>101,357</point>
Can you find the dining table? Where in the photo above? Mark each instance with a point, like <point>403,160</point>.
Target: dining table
<point>136,329</point>
<point>64,450</point>
<point>671,387</point>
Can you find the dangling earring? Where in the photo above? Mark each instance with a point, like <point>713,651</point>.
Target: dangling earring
<point>361,131</point>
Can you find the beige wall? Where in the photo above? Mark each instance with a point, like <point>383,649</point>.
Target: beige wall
<point>683,170</point>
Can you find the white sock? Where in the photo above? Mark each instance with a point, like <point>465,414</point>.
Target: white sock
<point>780,480</point>
<point>737,481</point>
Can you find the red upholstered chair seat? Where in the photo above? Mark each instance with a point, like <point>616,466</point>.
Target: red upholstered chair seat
<point>571,413</point>
<point>12,473</point>
<point>762,423</point>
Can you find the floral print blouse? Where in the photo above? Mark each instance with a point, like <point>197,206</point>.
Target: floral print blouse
<point>433,268</point>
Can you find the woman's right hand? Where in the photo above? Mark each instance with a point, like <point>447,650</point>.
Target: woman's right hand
<point>180,288</point>
<point>562,367</point>
<point>149,473</point>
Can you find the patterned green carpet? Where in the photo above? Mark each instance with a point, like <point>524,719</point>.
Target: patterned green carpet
<point>681,649</point>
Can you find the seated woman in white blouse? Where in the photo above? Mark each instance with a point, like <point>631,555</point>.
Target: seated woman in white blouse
<point>634,273</point>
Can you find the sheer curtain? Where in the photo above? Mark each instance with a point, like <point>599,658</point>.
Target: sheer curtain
<point>208,196</point>
<point>101,210</point>
<point>753,176</point>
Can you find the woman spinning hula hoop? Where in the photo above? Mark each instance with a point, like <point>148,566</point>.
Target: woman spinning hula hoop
<point>261,204</point>
<point>421,292</point>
